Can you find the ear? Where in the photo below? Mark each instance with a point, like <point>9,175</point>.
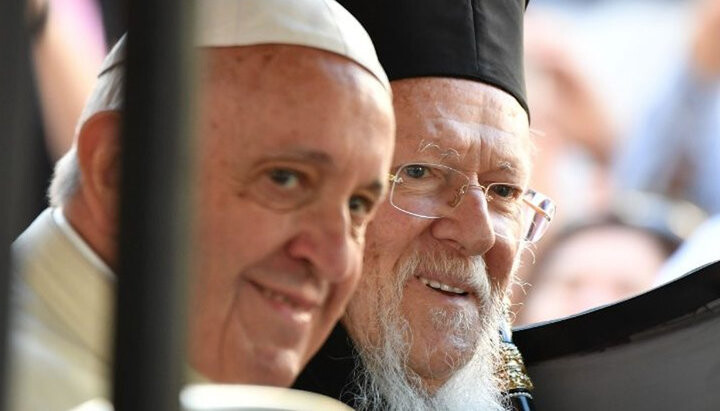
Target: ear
<point>98,151</point>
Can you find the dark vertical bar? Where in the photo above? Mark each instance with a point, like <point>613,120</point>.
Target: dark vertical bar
<point>14,116</point>
<point>150,330</point>
<point>114,19</point>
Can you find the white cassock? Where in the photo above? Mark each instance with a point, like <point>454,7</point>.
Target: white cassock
<point>61,318</point>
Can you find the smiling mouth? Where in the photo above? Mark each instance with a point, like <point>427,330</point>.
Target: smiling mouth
<point>300,310</point>
<point>438,286</point>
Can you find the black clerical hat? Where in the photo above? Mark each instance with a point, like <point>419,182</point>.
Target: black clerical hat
<point>473,39</point>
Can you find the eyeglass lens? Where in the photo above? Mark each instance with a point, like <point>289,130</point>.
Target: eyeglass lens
<point>433,190</point>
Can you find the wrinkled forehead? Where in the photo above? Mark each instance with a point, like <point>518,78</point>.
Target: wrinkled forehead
<point>289,95</point>
<point>276,62</point>
<point>460,119</point>
<point>454,99</point>
<point>287,75</point>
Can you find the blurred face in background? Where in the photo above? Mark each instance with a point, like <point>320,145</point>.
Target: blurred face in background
<point>595,266</point>
<point>431,290</point>
<point>295,145</point>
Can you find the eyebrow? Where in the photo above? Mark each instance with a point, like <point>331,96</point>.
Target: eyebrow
<point>322,158</point>
<point>376,187</point>
<point>443,154</point>
<point>424,146</point>
<point>506,166</point>
<point>312,156</point>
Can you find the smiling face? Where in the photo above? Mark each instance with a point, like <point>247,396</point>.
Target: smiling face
<point>295,146</point>
<point>446,276</point>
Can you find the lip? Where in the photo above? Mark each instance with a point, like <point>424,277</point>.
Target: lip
<point>438,286</point>
<point>291,304</point>
<point>448,286</point>
<point>417,291</point>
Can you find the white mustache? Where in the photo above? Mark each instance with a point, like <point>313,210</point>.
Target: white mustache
<point>470,271</point>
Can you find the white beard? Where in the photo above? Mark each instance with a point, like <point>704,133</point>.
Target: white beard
<point>386,382</point>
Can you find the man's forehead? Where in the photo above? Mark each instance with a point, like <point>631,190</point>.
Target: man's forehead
<point>467,147</point>
<point>458,99</point>
<point>506,156</point>
<point>266,57</point>
<point>448,137</point>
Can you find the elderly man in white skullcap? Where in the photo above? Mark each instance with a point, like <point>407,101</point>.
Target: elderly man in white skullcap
<point>295,138</point>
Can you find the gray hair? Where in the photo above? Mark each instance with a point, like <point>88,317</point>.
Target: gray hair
<point>107,95</point>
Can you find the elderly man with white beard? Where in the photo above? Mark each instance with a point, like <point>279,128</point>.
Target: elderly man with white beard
<point>421,332</point>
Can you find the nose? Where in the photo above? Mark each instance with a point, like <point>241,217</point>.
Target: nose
<point>468,228</point>
<point>323,239</point>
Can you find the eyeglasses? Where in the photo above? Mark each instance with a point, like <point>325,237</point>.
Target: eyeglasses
<point>428,190</point>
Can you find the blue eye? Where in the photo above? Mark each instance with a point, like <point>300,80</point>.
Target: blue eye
<point>415,171</point>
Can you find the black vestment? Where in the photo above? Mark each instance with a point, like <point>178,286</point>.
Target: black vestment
<point>330,371</point>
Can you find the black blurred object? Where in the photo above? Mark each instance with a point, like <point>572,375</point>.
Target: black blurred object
<point>657,351</point>
<point>15,145</point>
<point>478,39</point>
<point>38,165</point>
<point>114,15</point>
<point>39,168</point>
<point>330,371</point>
<point>150,316</point>
<point>36,17</point>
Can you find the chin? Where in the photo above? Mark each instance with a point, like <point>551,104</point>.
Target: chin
<point>267,367</point>
<point>269,375</point>
<point>437,362</point>
<point>278,367</point>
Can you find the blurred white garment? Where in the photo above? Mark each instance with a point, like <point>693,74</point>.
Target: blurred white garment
<point>62,318</point>
<point>701,248</point>
<point>97,404</point>
<point>239,397</point>
<point>215,397</point>
<point>677,140</point>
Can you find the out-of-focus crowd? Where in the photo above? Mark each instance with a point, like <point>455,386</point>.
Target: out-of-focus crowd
<point>638,203</point>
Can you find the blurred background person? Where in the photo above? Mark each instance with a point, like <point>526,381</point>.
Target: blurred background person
<point>675,148</point>
<point>625,98</point>
<point>575,134</point>
<point>68,49</point>
<point>681,130</point>
<point>611,257</point>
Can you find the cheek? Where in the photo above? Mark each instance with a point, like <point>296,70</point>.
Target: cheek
<point>338,299</point>
<point>221,231</point>
<point>341,292</point>
<point>501,263</point>
<point>233,229</point>
<point>231,236</point>
<point>501,259</point>
<point>391,234</point>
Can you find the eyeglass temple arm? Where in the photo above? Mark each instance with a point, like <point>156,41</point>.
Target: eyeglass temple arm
<point>537,209</point>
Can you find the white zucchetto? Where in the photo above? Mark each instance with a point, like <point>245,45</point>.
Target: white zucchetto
<point>319,24</point>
